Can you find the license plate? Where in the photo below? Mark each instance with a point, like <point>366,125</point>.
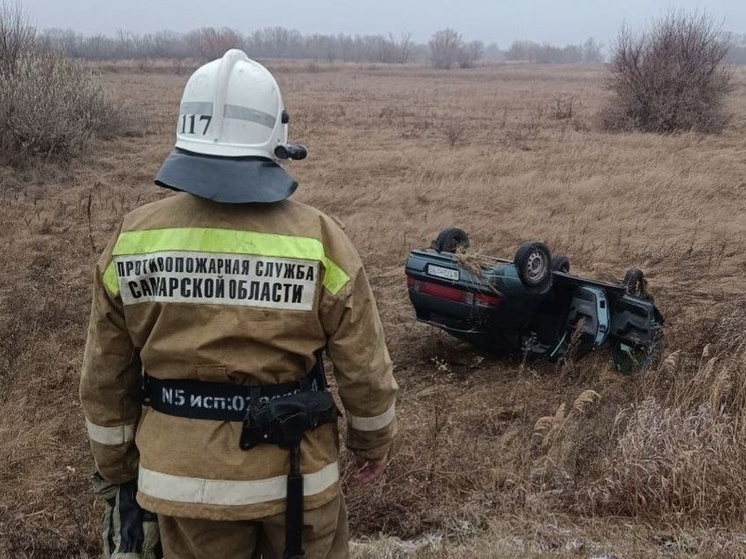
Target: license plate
<point>445,273</point>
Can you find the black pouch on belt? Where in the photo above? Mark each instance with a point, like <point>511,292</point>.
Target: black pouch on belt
<point>283,421</point>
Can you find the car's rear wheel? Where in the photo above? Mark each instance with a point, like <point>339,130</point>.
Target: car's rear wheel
<point>533,261</point>
<point>451,239</point>
<point>632,279</point>
<point>560,263</point>
<point>634,283</point>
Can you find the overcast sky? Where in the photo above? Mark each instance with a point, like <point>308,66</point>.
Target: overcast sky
<point>502,21</point>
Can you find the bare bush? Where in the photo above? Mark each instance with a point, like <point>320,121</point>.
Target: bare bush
<point>49,107</point>
<point>49,104</point>
<point>562,106</point>
<point>670,79</point>
<point>454,130</point>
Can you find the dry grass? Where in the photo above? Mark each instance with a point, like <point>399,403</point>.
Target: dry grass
<point>468,471</point>
<point>680,453</point>
<point>558,537</point>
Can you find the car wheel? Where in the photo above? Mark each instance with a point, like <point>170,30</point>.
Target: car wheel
<point>533,261</point>
<point>560,263</point>
<point>451,239</point>
<point>634,283</point>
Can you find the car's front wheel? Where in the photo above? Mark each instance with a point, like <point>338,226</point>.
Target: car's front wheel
<point>533,261</point>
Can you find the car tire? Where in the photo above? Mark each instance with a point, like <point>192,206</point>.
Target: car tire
<point>533,261</point>
<point>451,239</point>
<point>632,281</point>
<point>560,263</point>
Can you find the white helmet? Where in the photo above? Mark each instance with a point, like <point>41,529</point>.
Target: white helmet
<point>231,107</point>
<point>231,131</point>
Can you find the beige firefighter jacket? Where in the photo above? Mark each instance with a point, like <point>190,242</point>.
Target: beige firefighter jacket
<point>193,289</point>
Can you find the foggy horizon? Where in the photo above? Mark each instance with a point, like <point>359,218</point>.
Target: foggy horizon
<point>499,22</point>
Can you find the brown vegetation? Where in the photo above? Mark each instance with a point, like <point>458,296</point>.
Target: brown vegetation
<point>447,49</point>
<point>647,467</point>
<point>49,105</point>
<point>671,79</point>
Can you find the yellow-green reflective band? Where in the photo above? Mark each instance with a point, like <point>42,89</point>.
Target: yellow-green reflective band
<point>110,279</point>
<point>224,241</point>
<point>335,277</point>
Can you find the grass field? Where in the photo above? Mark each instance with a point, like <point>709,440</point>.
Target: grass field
<point>655,467</point>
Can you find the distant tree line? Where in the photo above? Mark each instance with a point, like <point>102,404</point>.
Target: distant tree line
<point>589,52</point>
<point>446,48</point>
<point>209,43</point>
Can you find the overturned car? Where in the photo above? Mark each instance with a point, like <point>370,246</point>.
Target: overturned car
<point>532,305</point>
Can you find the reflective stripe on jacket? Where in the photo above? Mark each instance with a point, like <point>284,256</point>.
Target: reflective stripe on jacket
<point>192,289</point>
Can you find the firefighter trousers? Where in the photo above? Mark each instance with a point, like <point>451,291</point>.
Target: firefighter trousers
<point>325,535</point>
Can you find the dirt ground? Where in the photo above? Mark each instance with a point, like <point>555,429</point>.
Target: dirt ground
<point>397,154</point>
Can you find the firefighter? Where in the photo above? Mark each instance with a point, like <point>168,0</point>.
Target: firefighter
<point>202,381</point>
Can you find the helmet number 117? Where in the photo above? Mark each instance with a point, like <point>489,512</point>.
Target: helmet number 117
<point>188,123</point>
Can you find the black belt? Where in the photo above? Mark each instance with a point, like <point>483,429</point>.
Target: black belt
<point>221,401</point>
<point>278,414</point>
